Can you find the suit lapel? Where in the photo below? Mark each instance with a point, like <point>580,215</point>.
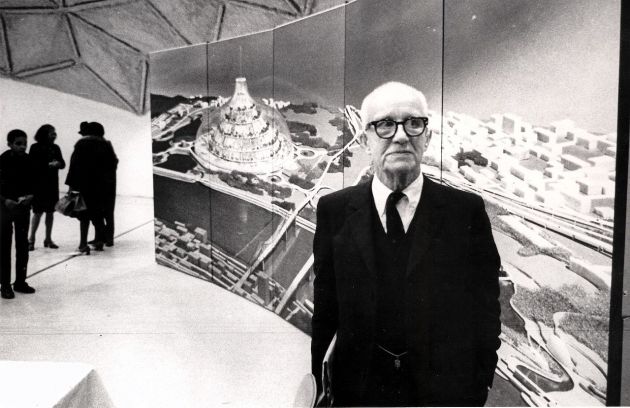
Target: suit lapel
<point>359,220</point>
<point>427,223</point>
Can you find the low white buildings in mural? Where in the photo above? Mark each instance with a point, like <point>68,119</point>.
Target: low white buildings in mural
<point>556,165</point>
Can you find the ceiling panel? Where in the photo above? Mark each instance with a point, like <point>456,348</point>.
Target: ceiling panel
<point>302,6</point>
<point>27,3</point>
<point>37,40</point>
<point>196,20</point>
<point>77,2</point>
<point>4,62</point>
<point>138,24</point>
<point>79,81</point>
<point>283,6</point>
<point>102,45</point>
<point>321,5</point>
<point>240,20</point>
<point>116,63</point>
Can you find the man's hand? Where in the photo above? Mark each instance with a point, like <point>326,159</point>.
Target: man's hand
<point>10,204</point>
<point>55,164</point>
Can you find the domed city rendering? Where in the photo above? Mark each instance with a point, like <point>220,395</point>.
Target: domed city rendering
<point>244,135</point>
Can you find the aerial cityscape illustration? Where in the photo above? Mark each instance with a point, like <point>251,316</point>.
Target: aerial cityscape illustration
<point>249,133</point>
<point>237,179</point>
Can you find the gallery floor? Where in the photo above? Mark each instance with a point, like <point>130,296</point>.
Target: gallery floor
<point>156,337</point>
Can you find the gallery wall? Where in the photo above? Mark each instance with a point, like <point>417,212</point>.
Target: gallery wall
<point>523,100</point>
<point>27,107</point>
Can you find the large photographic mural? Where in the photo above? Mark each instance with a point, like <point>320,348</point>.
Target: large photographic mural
<point>250,132</point>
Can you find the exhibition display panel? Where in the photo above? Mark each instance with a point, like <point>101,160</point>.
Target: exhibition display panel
<point>248,134</point>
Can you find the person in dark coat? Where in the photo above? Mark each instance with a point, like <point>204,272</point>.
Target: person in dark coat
<point>87,174</point>
<point>16,194</point>
<point>406,274</point>
<point>110,193</point>
<point>47,161</point>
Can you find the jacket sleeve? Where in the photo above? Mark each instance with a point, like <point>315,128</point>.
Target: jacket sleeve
<point>114,157</point>
<point>2,182</point>
<point>75,177</point>
<point>485,283</point>
<point>324,323</point>
<point>59,158</point>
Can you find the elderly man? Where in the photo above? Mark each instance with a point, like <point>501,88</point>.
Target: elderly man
<point>406,274</point>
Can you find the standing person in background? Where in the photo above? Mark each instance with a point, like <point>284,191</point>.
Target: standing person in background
<point>47,161</point>
<point>111,165</point>
<point>87,175</point>
<point>16,194</point>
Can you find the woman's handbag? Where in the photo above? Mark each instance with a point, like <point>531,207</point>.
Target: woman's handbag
<point>71,205</point>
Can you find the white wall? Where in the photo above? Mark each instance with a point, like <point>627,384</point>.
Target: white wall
<point>27,107</point>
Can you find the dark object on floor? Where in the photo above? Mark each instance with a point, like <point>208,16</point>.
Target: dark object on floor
<point>50,244</point>
<point>84,250</point>
<point>7,292</point>
<point>23,288</point>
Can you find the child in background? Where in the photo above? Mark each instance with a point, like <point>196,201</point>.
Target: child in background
<point>16,194</point>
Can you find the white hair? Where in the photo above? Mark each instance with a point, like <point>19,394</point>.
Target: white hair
<point>391,89</point>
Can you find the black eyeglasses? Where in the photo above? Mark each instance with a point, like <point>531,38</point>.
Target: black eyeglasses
<point>387,128</point>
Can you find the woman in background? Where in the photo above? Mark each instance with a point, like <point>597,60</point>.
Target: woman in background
<point>47,161</point>
<point>87,174</point>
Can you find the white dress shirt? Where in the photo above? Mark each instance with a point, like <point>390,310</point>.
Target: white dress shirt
<point>406,206</point>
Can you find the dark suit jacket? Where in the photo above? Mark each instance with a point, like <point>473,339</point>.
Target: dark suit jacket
<point>451,297</point>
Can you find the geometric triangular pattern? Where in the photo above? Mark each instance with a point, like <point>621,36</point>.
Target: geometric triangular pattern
<point>101,46</point>
<point>137,24</point>
<point>322,5</point>
<point>27,3</point>
<point>275,6</point>
<point>76,80</point>
<point>195,20</point>
<point>299,6</point>
<point>51,45</point>
<point>119,65</point>
<point>240,19</point>
<point>79,2</point>
<point>4,61</point>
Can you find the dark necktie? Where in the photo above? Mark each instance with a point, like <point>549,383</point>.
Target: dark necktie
<point>395,229</point>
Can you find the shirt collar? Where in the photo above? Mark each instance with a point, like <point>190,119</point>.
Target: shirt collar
<point>380,192</point>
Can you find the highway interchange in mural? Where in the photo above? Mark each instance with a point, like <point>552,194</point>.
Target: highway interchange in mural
<point>548,191</point>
